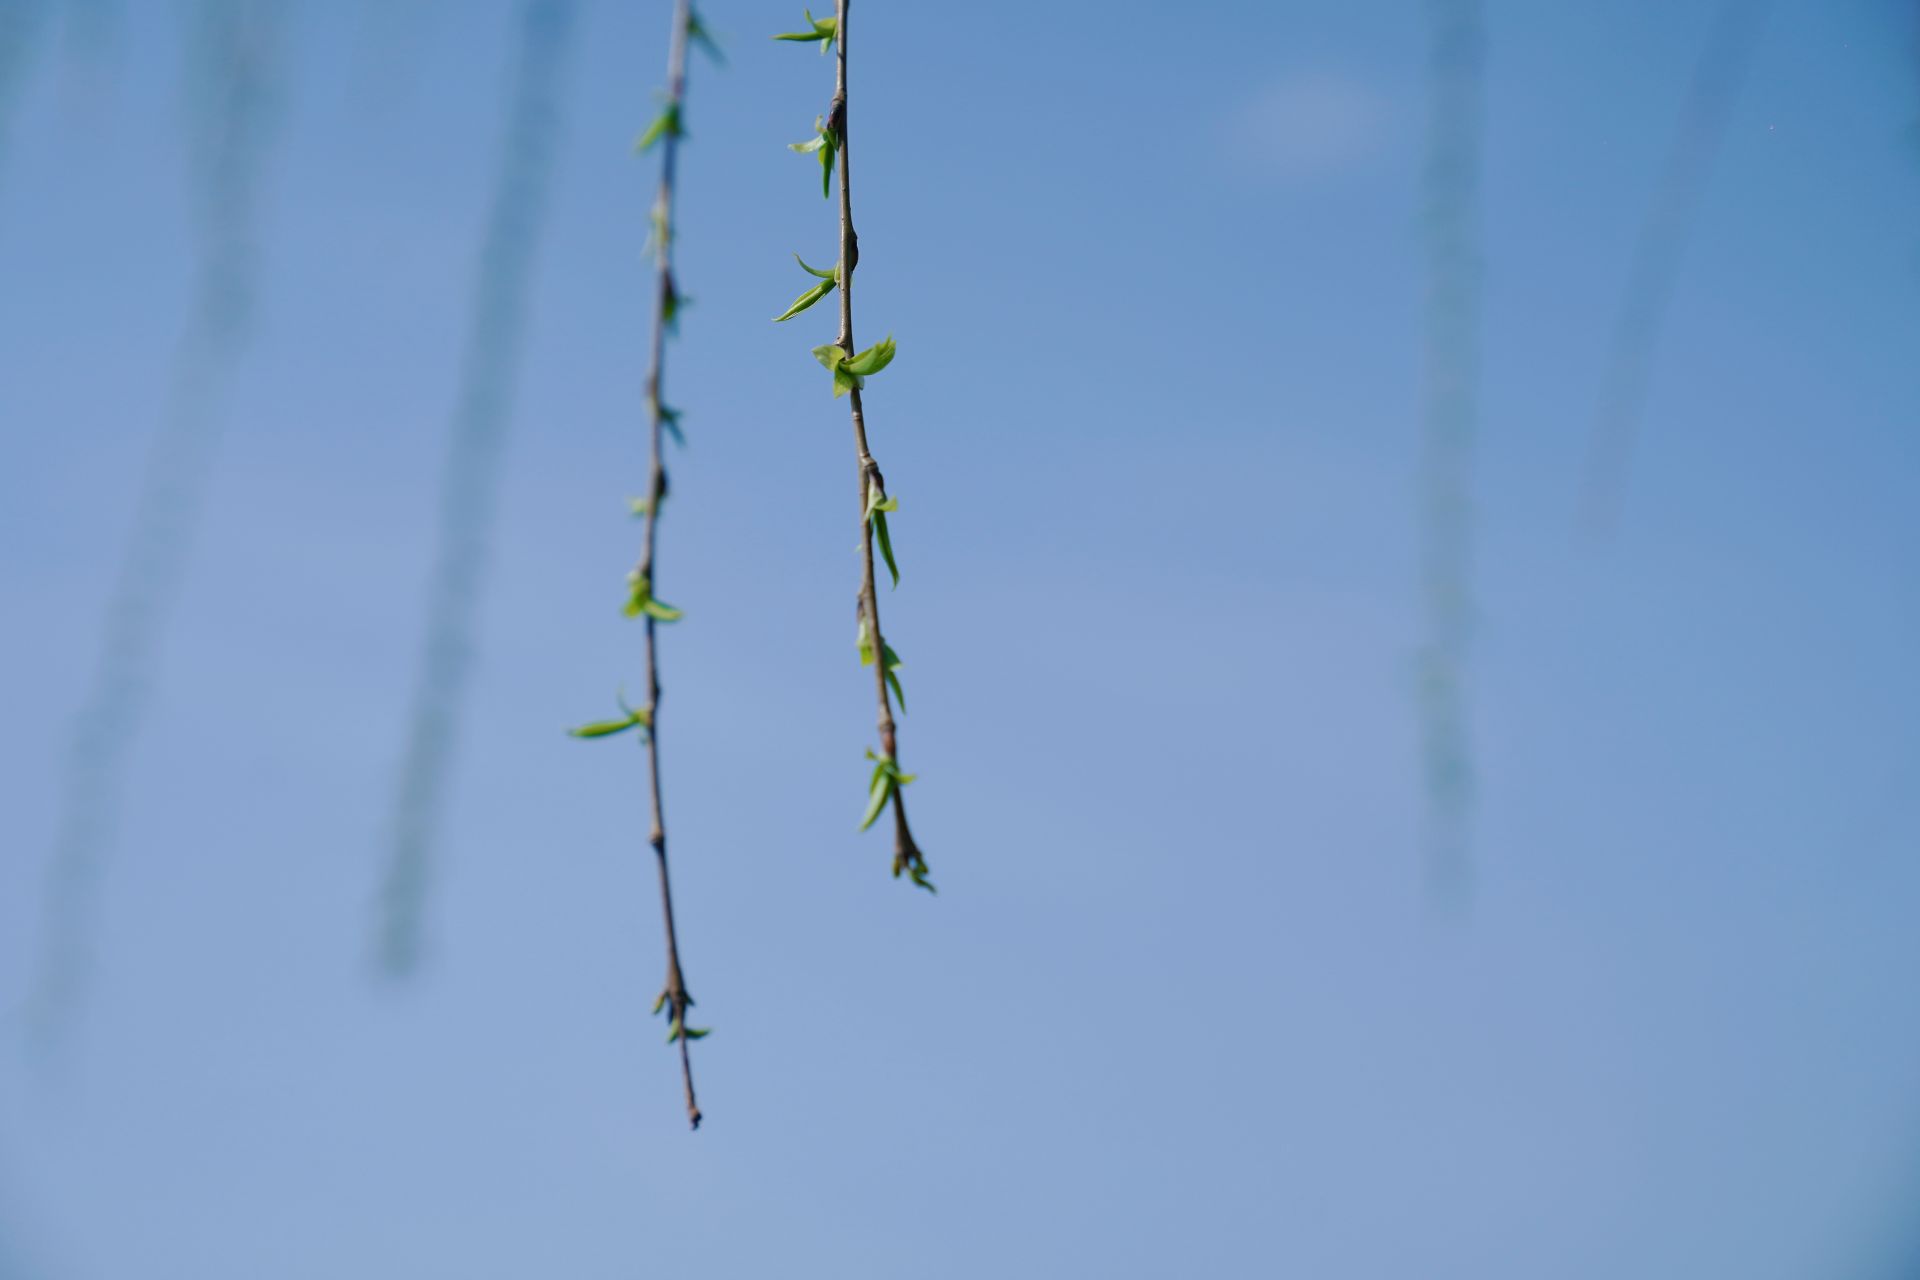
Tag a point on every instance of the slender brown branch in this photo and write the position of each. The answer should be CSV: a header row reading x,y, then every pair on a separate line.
x,y
674,994
906,855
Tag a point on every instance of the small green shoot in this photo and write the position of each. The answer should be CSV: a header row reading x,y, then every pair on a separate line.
x,y
878,504
850,373
823,29
640,601
667,124
697,34
671,303
887,779
825,143
864,641
659,229
634,718
828,279
669,421
640,508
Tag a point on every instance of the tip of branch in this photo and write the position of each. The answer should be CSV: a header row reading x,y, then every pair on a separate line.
x,y
908,858
694,1117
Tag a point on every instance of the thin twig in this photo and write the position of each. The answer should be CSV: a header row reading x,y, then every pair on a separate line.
x,y
22,23
236,50
1452,233
1657,253
906,855
675,992
472,475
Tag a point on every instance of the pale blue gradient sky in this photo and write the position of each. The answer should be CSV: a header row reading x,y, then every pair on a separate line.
x,y
1182,1007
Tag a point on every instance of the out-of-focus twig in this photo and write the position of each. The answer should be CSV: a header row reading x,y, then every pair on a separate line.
x,y
233,78
1451,224
1657,254
470,482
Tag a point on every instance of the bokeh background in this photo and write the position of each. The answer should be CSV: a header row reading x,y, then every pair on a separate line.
x,y
1190,1000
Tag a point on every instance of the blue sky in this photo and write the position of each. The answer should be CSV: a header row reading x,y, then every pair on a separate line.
x,y
1183,1005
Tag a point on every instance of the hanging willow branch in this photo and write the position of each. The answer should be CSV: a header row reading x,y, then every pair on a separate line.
x,y
470,483
1452,234
1657,255
666,131
850,370
22,23
234,85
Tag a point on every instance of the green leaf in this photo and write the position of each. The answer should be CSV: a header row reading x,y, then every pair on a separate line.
x,y
824,30
877,797
873,359
893,680
640,601
824,144
673,1030
697,33
879,501
834,358
812,295
815,271
885,540
639,716
696,1033
805,300
666,125
887,779
659,228
670,422
607,728
603,728
849,372
659,1002
864,641
672,302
